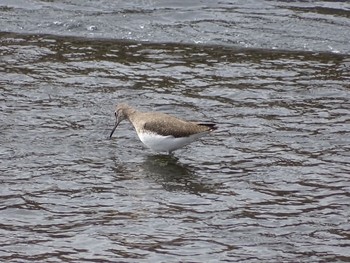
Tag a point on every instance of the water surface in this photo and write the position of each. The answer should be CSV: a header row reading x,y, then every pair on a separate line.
x,y
271,185
270,24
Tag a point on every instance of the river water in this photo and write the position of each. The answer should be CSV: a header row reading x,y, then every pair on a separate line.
x,y
271,185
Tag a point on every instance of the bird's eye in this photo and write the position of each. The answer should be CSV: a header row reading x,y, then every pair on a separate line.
x,y
115,113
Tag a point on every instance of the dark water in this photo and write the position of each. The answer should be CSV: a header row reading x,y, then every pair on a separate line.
x,y
272,185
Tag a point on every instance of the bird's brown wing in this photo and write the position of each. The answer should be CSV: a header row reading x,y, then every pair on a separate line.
x,y
176,127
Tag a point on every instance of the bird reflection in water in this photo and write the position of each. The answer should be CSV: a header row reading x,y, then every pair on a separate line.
x,y
174,176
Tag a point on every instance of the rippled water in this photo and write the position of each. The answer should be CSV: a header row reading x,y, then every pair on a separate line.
x,y
271,185
270,24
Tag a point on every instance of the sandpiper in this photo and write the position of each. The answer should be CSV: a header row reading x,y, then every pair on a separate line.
x,y
159,131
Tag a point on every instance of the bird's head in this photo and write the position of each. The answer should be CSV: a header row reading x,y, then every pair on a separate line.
x,y
121,113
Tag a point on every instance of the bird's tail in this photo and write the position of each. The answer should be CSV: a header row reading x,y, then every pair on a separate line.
x,y
211,126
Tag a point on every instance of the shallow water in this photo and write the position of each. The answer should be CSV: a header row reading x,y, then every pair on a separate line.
x,y
271,185
270,24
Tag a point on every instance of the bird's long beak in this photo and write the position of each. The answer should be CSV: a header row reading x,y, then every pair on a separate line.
x,y
117,121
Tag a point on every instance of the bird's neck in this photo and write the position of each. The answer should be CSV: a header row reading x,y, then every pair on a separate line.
x,y
131,113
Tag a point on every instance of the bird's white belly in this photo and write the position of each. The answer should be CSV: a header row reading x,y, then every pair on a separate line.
x,y
168,143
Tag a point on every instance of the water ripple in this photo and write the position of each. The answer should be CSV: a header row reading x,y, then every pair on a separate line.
x,y
270,185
